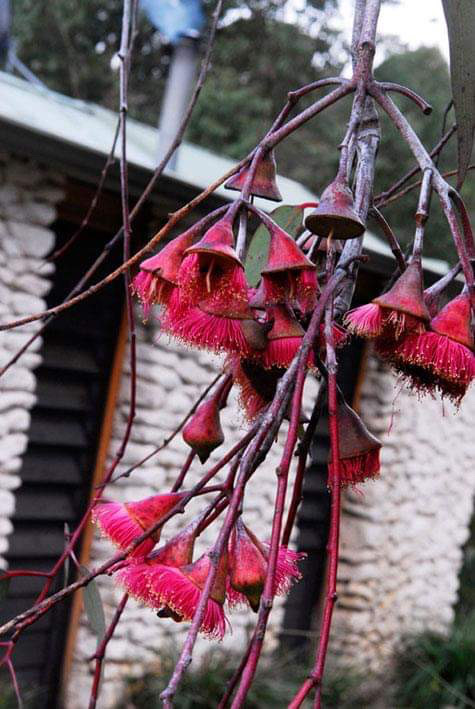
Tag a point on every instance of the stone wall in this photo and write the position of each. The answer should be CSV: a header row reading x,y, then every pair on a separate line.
x,y
170,379
28,194
402,535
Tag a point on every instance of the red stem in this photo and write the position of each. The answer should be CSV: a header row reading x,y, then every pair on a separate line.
x,y
315,678
303,450
182,474
391,237
269,586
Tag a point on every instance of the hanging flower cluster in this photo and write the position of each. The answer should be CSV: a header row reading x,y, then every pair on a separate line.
x,y
431,354
199,282
168,579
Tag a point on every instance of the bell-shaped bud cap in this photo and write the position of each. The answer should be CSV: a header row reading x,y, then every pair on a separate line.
x,y
284,338
166,263
203,432
150,510
198,571
217,241
255,334
406,295
264,183
179,550
247,565
284,253
336,214
248,562
359,449
455,321
284,324
355,439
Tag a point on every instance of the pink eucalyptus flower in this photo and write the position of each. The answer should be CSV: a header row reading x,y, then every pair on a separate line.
x,y
248,561
124,522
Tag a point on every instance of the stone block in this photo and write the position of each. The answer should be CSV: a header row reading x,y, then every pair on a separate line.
x,y
33,284
29,239
26,304
9,482
18,378
16,398
12,445
12,465
7,503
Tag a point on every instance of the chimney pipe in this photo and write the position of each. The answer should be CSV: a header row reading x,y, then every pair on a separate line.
x,y
178,89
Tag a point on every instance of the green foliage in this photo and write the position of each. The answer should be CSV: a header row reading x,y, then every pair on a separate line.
x,y
70,44
202,687
437,672
93,607
290,218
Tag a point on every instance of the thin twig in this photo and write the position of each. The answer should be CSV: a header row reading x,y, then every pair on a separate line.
x,y
382,199
391,238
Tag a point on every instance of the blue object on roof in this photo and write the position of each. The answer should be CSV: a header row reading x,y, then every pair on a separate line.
x,y
175,18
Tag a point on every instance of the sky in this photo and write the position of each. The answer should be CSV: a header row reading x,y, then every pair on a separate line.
x,y
416,22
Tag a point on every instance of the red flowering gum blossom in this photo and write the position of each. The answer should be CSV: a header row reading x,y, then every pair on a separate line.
x,y
212,270
230,329
402,309
365,321
359,449
335,215
284,338
175,591
124,522
177,552
158,275
248,562
203,432
264,183
289,275
443,357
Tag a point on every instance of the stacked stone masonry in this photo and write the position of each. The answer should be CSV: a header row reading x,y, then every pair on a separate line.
x,y
28,195
402,535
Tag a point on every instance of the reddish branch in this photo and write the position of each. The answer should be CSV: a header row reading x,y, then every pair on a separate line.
x,y
316,676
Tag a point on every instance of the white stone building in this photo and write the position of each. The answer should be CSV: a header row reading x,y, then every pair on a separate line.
x,y
64,404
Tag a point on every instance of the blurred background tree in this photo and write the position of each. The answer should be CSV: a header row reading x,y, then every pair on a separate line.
x,y
263,49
